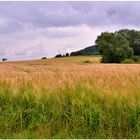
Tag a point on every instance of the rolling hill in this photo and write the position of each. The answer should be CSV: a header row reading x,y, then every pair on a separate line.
x,y
91,50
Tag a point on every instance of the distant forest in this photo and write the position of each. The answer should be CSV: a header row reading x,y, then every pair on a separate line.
x,y
91,50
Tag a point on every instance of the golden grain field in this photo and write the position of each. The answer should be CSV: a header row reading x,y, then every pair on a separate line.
x,y
53,73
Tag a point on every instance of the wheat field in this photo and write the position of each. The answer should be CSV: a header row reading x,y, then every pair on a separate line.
x,y
69,97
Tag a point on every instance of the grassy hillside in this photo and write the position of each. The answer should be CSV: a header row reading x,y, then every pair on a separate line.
x,y
70,97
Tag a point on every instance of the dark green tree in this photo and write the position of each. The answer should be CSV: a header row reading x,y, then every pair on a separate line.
x,y
133,37
67,54
4,59
113,47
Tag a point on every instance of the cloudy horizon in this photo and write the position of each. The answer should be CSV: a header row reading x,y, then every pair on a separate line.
x,y
31,30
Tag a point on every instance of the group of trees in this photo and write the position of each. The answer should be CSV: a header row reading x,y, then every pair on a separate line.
x,y
118,46
60,55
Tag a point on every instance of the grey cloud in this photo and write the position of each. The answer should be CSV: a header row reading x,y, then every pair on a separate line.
x,y
54,14
21,53
124,13
2,51
37,52
58,33
31,52
11,27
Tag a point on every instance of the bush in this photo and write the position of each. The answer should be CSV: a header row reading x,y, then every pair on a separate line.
x,y
44,58
4,59
128,61
87,61
58,56
136,58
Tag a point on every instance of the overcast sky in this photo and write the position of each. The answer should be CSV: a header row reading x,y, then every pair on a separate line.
x,y
30,30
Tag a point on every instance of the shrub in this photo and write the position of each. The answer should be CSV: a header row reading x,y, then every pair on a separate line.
x,y
44,58
87,61
128,61
136,58
4,59
58,56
